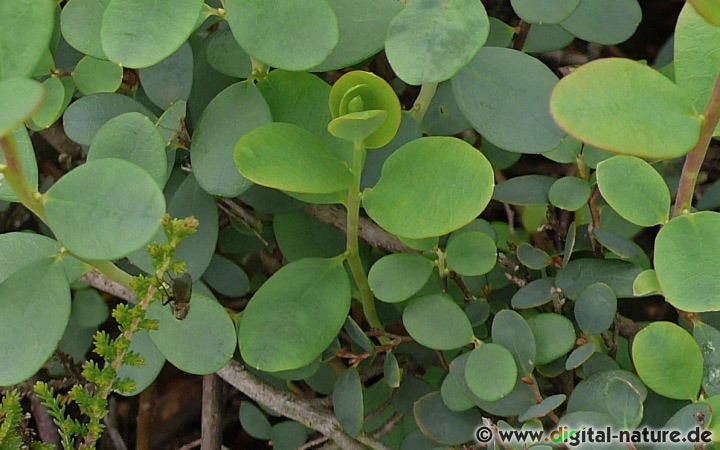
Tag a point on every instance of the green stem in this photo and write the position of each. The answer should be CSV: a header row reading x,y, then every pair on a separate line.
x,y
112,272
15,177
422,102
696,156
352,251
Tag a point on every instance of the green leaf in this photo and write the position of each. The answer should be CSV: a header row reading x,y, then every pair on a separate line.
x,y
132,35
144,375
190,344
634,189
253,421
549,12
80,22
348,401
91,226
272,342
430,187
708,10
488,91
532,257
581,273
580,355
363,28
668,360
34,312
288,435
392,373
22,97
512,331
708,339
437,322
373,93
356,127
301,236
595,308
226,277
543,408
25,32
616,394
604,21
397,277
685,252
132,137
569,193
429,41
443,117
534,294
442,425
89,310
623,247
490,372
289,158
214,141
287,34
92,75
455,397
84,117
59,94
554,336
524,190
471,253
226,56
697,58
646,283
27,160
169,80
658,120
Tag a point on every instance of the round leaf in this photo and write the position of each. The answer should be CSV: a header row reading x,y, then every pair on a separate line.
x,y
635,190
487,90
289,158
201,343
272,342
668,360
133,137
580,355
490,372
348,401
658,120
34,312
253,421
554,336
287,34
356,127
59,94
363,28
437,322
397,277
430,187
604,21
92,75
25,32
534,294
646,283
532,257
21,97
226,56
105,209
595,308
471,253
440,424
214,141
685,253
80,22
552,11
512,331
569,193
132,35
373,93
429,41
170,79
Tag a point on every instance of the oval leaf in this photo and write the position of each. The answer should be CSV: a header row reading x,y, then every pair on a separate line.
x,y
348,401
471,253
554,336
22,97
430,54
569,193
286,157
272,342
441,425
595,308
437,322
547,12
490,372
512,331
82,218
604,21
429,187
25,32
668,360
397,277
658,120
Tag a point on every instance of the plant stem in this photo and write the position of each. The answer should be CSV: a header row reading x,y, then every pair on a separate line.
x,y
696,156
422,102
112,272
352,250
16,177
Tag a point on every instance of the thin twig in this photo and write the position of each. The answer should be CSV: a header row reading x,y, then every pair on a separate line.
x,y
314,443
211,423
387,426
